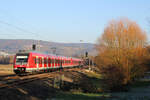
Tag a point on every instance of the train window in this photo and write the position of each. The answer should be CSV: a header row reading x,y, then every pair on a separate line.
x,y
49,61
52,61
55,61
58,61
21,59
42,60
34,59
39,60
45,61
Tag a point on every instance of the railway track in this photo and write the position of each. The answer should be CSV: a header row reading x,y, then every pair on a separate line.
x,y
14,80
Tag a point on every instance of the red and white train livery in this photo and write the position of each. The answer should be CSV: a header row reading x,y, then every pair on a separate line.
x,y
34,61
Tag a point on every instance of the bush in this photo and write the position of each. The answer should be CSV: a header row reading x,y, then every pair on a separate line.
x,y
113,78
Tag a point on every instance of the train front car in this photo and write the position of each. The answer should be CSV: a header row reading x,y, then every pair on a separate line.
x,y
21,62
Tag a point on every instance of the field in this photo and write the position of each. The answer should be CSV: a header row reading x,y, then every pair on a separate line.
x,y
6,69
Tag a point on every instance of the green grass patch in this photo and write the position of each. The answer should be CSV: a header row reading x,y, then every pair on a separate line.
x,y
93,74
143,83
95,79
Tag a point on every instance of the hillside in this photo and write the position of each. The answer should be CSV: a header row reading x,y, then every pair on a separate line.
x,y
67,49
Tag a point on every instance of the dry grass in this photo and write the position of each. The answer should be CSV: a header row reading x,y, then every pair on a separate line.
x,y
6,69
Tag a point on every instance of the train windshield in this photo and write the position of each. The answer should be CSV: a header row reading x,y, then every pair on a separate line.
x,y
21,59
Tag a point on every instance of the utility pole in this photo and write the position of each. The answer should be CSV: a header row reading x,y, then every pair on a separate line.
x,y
39,44
53,50
81,41
89,64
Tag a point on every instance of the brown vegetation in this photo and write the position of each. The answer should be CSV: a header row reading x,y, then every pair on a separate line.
x,y
122,53
6,69
6,59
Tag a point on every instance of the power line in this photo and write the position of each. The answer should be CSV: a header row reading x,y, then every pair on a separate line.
x,y
18,28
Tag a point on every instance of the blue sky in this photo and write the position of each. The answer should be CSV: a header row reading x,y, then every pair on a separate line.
x,y
67,20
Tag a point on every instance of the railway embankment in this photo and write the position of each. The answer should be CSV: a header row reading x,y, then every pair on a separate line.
x,y
68,84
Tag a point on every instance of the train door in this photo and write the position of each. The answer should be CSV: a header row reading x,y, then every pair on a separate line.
x,y
45,64
34,62
49,63
37,63
53,62
58,62
71,62
40,62
62,62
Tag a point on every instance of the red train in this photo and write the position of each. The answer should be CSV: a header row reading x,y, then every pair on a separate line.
x,y
30,61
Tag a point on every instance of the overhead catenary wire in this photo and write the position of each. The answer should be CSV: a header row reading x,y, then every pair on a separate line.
x,y
18,28
27,32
